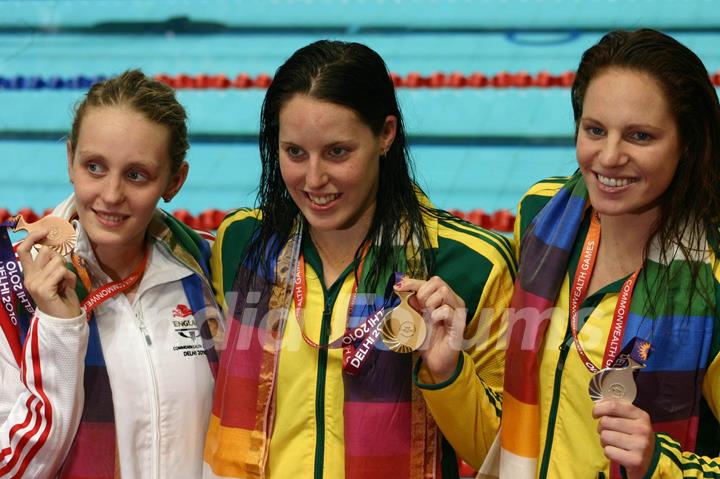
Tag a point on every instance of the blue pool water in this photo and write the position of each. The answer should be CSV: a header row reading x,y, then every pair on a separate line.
x,y
473,148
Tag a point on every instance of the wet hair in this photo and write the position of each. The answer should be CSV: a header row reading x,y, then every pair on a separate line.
x,y
693,192
356,77
155,100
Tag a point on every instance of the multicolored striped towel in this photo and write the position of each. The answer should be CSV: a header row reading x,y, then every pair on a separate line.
x,y
388,430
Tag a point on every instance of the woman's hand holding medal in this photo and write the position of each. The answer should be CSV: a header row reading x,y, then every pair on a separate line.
x,y
445,314
626,435
49,282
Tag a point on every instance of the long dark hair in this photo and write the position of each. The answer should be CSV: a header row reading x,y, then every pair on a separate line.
x,y
694,192
356,77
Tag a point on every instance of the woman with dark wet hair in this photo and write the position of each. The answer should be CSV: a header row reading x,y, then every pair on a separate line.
x,y
307,388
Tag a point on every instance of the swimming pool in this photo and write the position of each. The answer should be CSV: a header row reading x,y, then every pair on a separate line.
x,y
473,147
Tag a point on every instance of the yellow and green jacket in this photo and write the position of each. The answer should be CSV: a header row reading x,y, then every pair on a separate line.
x,y
284,409
679,388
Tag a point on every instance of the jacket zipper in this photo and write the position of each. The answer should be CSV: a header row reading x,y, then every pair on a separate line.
x,y
154,399
143,330
564,349
320,391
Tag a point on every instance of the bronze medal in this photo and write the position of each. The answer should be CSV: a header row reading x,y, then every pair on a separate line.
x,y
403,329
61,234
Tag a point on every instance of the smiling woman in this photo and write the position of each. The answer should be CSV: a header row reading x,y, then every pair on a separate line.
x,y
113,342
623,254
305,387
628,145
119,168
329,162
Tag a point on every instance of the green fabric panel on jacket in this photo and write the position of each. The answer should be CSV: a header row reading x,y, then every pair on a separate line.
x,y
236,241
454,271
497,242
456,261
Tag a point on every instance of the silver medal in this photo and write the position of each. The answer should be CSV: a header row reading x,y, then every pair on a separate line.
x,y
614,383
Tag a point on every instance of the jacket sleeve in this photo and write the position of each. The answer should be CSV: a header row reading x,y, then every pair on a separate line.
x,y
670,461
467,406
41,400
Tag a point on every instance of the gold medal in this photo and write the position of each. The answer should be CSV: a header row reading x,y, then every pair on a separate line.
x,y
614,383
403,329
61,234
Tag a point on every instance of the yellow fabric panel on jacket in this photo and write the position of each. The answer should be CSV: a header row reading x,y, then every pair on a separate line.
x,y
294,438
575,431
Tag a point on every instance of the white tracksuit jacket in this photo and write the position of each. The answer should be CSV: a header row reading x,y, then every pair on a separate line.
x,y
160,379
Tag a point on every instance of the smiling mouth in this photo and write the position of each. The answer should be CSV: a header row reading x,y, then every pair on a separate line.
x,y
614,182
322,200
110,218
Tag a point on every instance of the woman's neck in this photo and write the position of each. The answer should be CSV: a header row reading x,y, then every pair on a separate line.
x,y
337,249
622,247
119,263
628,234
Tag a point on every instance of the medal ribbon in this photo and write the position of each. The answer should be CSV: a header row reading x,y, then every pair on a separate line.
x,y
12,287
95,298
366,333
579,289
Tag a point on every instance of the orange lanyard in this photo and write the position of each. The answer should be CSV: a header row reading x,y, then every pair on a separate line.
x,y
357,343
300,292
105,292
579,289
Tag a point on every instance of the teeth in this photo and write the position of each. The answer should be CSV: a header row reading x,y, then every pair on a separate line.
x,y
112,218
323,200
615,182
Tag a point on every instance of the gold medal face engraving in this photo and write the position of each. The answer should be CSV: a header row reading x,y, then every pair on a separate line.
x,y
403,329
61,234
613,383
